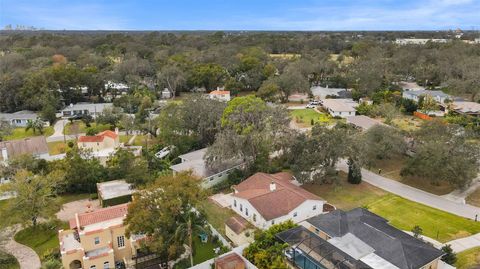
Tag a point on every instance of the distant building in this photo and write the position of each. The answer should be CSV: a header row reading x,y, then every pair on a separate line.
x,y
363,122
419,41
19,118
33,146
194,162
356,239
117,86
410,86
438,96
220,95
97,240
166,94
114,192
268,199
340,107
325,92
102,146
80,109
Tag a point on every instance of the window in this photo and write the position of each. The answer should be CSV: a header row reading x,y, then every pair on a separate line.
x,y
314,207
106,265
246,211
121,241
234,203
273,222
97,240
211,179
241,207
317,230
295,214
254,217
18,121
220,175
93,267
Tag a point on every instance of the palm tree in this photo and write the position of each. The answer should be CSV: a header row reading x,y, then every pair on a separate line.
x,y
190,222
35,125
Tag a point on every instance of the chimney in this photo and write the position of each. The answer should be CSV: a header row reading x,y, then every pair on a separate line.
x,y
273,186
71,104
4,154
116,130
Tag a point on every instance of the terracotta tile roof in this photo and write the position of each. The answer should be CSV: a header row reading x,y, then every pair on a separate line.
x,y
99,215
237,224
285,197
219,92
230,261
99,137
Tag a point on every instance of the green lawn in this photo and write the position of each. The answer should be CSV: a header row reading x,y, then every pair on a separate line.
x,y
43,238
216,215
402,213
201,252
79,127
468,259
8,261
19,133
140,140
304,117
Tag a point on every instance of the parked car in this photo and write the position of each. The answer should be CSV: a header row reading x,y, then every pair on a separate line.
x,y
310,106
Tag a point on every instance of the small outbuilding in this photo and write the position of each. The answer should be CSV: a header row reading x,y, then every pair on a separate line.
x,y
114,192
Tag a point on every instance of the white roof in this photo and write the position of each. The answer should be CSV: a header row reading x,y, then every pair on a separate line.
x,y
194,155
98,107
322,92
375,261
69,242
343,105
115,188
352,245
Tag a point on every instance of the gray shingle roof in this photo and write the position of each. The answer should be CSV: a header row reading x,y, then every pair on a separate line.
x,y
393,245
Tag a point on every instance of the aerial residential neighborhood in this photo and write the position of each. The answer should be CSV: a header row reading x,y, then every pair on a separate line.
x,y
239,134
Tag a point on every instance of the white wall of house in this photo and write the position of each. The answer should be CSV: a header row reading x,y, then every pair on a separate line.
x,y
221,97
341,114
215,179
307,209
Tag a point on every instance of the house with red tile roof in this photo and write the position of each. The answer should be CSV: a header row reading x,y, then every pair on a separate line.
x,y
220,95
97,239
266,199
104,140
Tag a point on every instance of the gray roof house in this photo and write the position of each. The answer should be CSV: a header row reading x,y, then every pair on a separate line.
x,y
363,122
361,239
35,146
194,162
79,109
19,118
438,96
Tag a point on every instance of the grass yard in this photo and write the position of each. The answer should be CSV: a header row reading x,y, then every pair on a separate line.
x,y
20,132
468,259
140,140
55,148
304,117
8,261
201,252
216,215
78,127
43,238
407,123
402,213
391,169
474,198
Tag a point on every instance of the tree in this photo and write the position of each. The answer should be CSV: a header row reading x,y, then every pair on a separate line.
x,y
381,142
409,106
428,104
48,113
5,129
172,77
163,204
110,115
209,76
35,125
449,257
34,196
443,152
266,252
269,91
251,131
314,157
292,81
354,172
417,231
123,164
190,222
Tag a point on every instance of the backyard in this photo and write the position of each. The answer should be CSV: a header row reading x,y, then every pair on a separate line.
x,y
57,147
304,117
21,132
402,213
79,127
201,252
216,215
468,259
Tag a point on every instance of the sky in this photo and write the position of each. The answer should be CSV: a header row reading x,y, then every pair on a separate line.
x,y
304,15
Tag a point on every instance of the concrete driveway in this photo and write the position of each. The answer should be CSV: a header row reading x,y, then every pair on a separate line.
x,y
81,206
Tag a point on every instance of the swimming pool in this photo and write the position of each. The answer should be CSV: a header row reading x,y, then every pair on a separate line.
x,y
302,260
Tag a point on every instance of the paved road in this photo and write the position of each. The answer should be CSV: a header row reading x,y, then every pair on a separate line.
x,y
27,258
58,132
419,196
